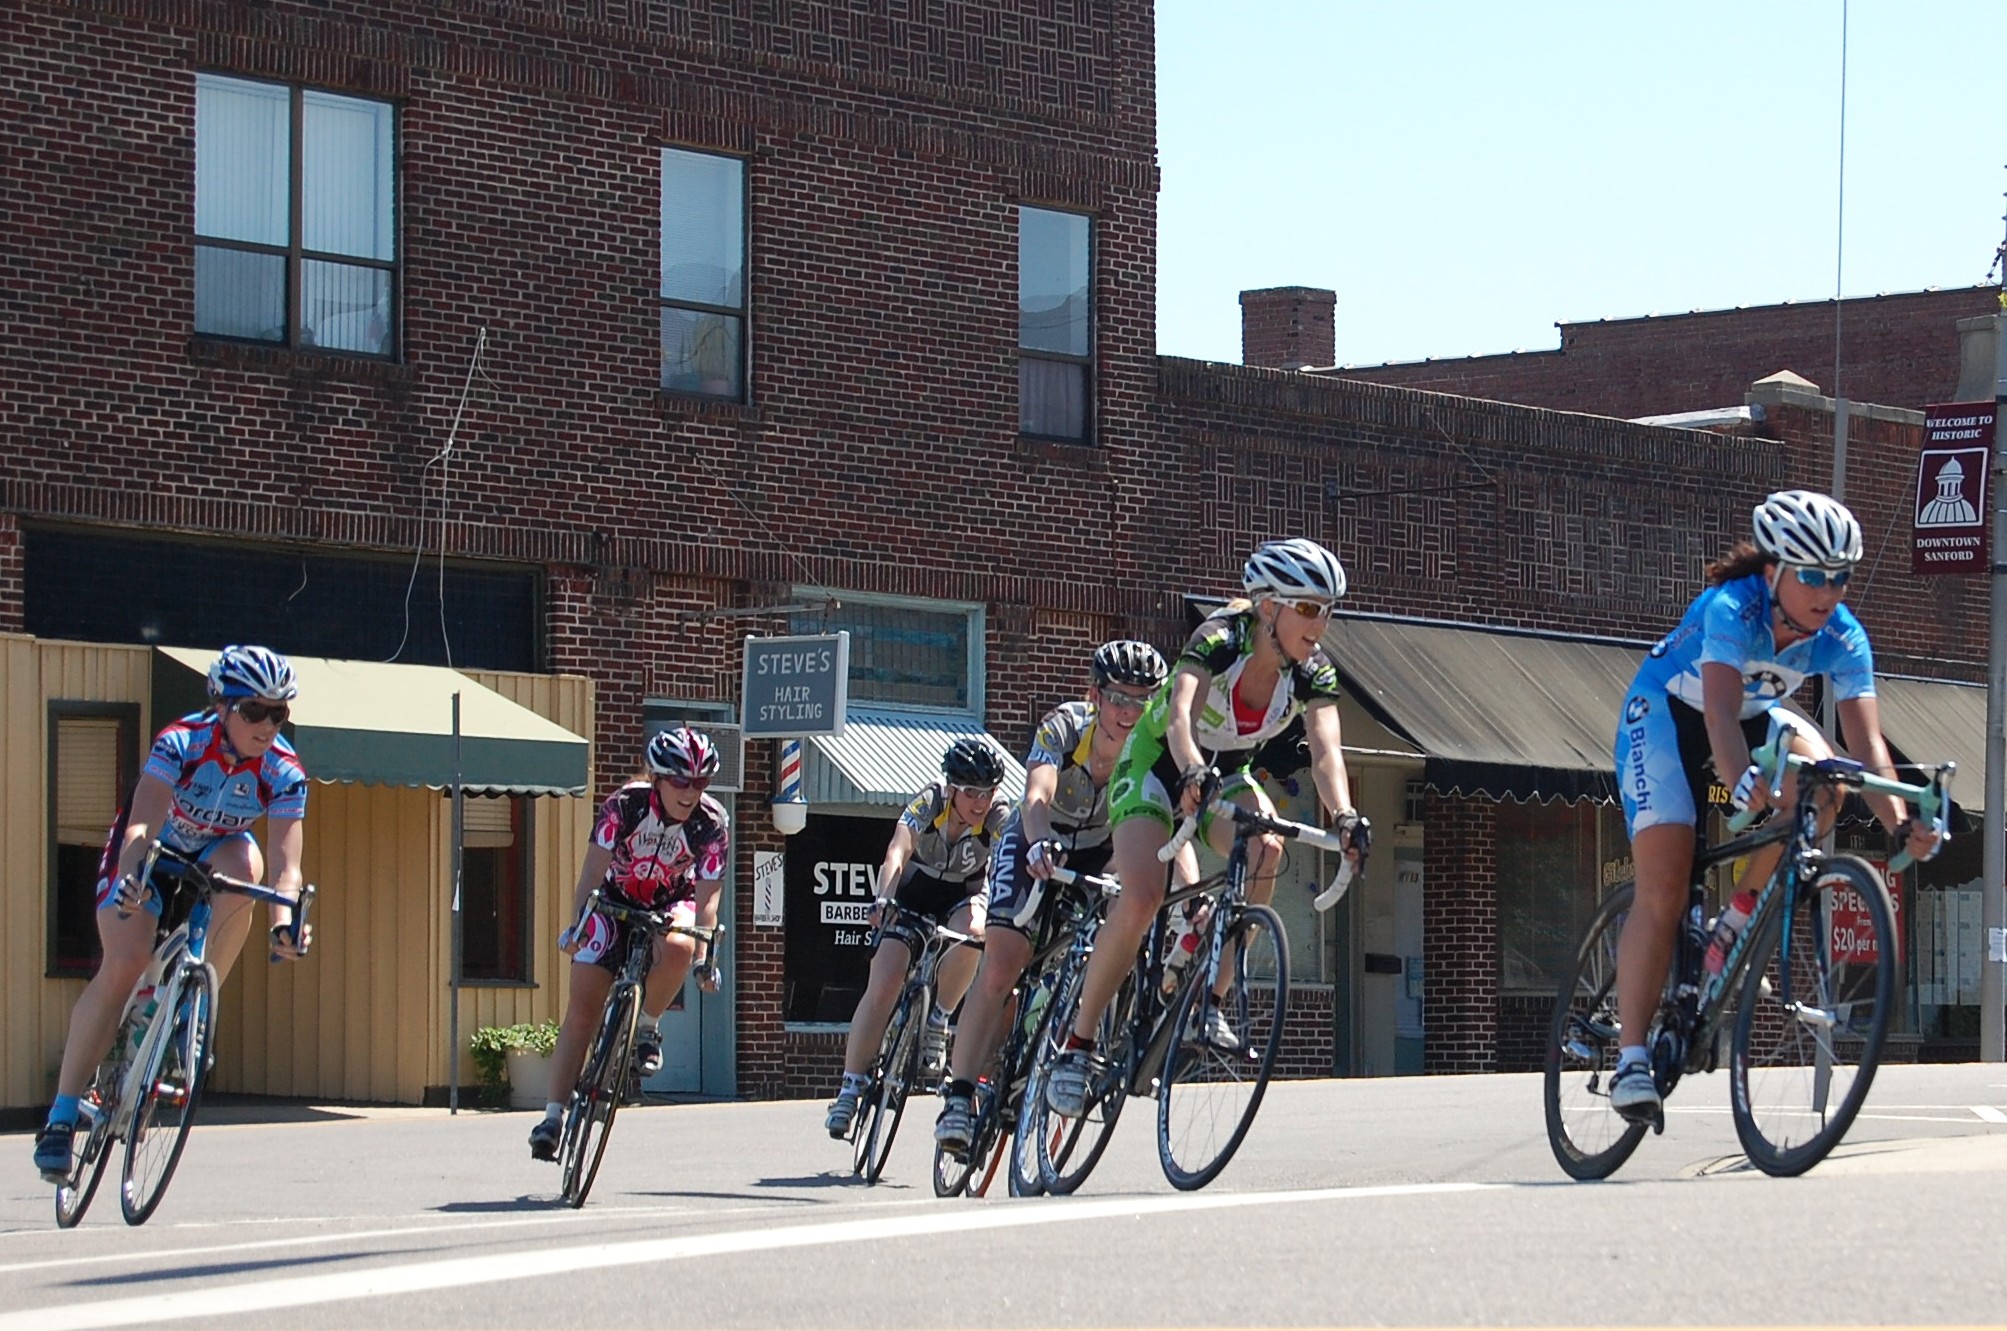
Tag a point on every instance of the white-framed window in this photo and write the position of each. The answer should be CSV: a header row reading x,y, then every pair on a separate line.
x,y
703,299
295,216
907,654
1055,324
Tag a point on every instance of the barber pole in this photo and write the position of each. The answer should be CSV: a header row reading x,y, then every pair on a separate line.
x,y
790,810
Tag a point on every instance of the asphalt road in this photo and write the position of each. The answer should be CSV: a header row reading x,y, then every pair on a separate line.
x,y
1421,1201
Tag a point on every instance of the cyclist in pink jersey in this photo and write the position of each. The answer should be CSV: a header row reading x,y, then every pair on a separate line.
x,y
660,844
208,778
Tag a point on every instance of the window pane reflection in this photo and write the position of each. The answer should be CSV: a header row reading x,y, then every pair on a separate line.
x,y
240,294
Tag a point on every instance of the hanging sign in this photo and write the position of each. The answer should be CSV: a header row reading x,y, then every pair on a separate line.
x,y
1953,513
795,686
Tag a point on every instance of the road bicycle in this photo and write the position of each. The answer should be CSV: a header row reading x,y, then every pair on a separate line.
x,y
607,1078
1204,1043
1000,1090
1804,996
145,1091
895,1074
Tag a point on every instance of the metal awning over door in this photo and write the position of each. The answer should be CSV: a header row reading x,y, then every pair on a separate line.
x,y
1515,715
388,724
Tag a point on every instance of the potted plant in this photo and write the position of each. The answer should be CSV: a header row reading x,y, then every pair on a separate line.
x,y
516,1060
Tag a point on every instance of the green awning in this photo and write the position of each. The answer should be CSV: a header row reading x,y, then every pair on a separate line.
x,y
392,725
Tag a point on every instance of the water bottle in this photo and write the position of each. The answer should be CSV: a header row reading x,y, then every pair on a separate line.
x,y
1184,946
1727,929
138,1017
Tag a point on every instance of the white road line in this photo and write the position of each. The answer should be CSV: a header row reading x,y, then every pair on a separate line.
x,y
303,1291
1988,1114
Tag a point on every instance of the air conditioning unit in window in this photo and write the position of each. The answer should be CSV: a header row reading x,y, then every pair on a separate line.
x,y
731,742
658,714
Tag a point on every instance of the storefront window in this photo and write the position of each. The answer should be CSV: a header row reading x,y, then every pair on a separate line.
x,y
1555,862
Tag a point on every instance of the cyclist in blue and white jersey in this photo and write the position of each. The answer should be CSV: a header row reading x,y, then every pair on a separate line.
x,y
936,865
207,779
1061,822
1771,617
1246,673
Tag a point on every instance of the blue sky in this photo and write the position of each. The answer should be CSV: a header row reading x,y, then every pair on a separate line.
x,y
1465,174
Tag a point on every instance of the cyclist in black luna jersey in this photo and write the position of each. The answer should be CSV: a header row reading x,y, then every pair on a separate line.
x,y
1062,821
937,865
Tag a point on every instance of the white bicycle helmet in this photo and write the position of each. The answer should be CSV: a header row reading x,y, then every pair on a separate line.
x,y
1295,569
1808,529
252,672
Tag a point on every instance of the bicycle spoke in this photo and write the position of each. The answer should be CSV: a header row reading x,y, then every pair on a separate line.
x,y
168,1093
1816,1005
1589,1138
1222,1052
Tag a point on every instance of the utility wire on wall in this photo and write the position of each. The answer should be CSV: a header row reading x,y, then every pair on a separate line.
x,y
443,460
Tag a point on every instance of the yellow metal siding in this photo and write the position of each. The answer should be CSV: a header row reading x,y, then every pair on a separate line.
x,y
33,674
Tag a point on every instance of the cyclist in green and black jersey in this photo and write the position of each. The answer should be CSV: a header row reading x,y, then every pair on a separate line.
x,y
1063,821
1245,674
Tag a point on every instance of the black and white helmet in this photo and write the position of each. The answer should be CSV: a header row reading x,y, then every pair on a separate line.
x,y
1293,570
1808,529
682,752
1126,661
252,672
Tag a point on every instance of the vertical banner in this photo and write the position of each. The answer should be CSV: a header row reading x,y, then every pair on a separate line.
x,y
1952,515
769,888
830,878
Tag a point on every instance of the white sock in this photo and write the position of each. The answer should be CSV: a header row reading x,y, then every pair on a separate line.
x,y
1632,1053
553,1110
938,1017
855,1081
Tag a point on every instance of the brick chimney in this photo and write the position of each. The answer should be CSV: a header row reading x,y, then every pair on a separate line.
x,y
1288,328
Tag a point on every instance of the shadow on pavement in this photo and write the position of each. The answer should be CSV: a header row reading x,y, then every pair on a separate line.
x,y
224,1269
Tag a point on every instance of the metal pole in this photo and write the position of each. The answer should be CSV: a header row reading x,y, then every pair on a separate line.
x,y
453,980
1993,900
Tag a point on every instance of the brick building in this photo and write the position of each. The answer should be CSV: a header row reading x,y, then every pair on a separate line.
x,y
659,325
1901,349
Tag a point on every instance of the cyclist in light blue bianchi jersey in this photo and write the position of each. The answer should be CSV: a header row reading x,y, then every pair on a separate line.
x,y
1245,674
1771,617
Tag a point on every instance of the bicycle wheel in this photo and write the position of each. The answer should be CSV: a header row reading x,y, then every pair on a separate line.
x,y
1214,1079
1589,1138
169,1091
1067,1149
1807,1044
897,1071
89,1153
588,1119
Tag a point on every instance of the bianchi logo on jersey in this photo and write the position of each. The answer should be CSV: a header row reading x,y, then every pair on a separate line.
x,y
1635,710
1769,684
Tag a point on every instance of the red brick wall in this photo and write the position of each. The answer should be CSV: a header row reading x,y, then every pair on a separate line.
x,y
1460,942
1899,350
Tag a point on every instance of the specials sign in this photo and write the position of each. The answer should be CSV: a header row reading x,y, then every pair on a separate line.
x,y
1952,514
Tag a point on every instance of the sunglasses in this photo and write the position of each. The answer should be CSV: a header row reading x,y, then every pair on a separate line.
x,y
1310,609
688,782
258,713
1819,577
973,792
1133,702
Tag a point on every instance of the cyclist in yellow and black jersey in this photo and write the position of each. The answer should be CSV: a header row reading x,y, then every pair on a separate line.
x,y
936,865
1063,820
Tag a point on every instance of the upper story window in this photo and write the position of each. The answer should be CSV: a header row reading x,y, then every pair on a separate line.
x,y
1055,326
703,274
295,216
908,654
